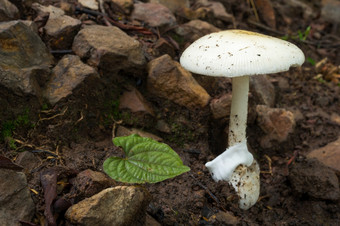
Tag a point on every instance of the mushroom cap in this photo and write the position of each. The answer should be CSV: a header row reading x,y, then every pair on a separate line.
x,y
234,53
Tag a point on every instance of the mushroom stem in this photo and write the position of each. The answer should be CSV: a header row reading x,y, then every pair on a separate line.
x,y
239,110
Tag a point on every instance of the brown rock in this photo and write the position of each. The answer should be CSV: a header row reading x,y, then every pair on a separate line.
x,y
121,205
24,58
162,47
167,79
135,102
15,198
154,14
220,107
123,131
60,31
67,75
8,11
195,29
277,123
173,5
263,90
53,11
328,155
91,4
108,48
330,11
226,218
315,179
89,182
127,5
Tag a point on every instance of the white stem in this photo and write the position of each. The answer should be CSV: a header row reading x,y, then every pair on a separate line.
x,y
239,110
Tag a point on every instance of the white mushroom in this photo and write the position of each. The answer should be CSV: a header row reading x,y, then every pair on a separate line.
x,y
239,54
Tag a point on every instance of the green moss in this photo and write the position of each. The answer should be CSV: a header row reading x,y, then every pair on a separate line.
x,y
8,127
180,134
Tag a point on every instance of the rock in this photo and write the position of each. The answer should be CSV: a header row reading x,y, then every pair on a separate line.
x,y
67,75
219,11
60,31
127,5
54,12
330,11
173,5
15,199
167,79
163,127
315,179
88,183
8,11
121,205
220,107
123,131
328,155
91,4
153,14
162,47
226,218
266,12
150,221
277,123
27,160
195,29
108,48
24,59
263,90
293,8
135,102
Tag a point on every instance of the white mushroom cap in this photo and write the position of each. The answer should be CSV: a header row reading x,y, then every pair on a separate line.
x,y
234,53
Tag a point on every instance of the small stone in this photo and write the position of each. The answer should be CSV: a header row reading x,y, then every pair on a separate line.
x,y
167,79
154,14
109,48
263,90
127,5
195,29
123,131
60,31
329,155
162,47
135,102
150,221
173,5
91,4
277,123
15,198
53,11
89,182
219,11
8,11
66,76
330,11
121,205
220,107
315,179
163,127
24,59
27,160
226,218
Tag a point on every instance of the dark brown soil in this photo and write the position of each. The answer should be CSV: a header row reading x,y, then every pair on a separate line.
x,y
78,134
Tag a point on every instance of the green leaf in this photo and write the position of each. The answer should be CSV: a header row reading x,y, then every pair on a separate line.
x,y
146,161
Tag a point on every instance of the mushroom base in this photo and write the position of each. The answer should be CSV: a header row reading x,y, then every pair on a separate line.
x,y
238,166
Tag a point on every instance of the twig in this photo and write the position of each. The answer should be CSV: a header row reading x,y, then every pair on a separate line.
x,y
251,2
54,116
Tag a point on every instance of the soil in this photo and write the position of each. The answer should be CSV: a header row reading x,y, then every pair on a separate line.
x,y
76,134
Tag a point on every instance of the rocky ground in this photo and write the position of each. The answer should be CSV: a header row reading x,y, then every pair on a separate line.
x,y
75,74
